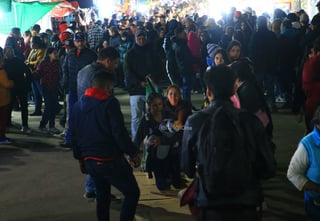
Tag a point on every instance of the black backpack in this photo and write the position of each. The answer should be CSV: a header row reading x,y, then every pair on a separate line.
x,y
224,164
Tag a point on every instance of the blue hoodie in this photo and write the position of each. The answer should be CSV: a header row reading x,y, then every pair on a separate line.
x,y
98,128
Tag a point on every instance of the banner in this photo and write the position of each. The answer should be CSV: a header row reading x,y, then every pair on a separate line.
x,y
5,5
24,15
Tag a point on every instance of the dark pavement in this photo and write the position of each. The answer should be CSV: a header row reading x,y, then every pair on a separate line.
x,y
39,181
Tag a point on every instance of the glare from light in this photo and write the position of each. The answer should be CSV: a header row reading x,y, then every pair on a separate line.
x,y
1,14
143,8
3,38
217,8
105,8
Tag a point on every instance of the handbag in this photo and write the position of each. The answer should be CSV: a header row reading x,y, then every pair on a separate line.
x,y
188,197
162,151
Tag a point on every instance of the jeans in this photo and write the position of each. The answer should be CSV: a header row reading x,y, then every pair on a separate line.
x,y
72,99
312,211
50,109
187,85
38,94
119,174
90,187
137,104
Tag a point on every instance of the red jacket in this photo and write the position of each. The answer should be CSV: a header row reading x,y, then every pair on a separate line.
x,y
49,74
311,83
194,45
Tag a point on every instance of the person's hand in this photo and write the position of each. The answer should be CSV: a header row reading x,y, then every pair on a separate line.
x,y
311,186
156,141
135,161
82,167
153,141
143,84
177,125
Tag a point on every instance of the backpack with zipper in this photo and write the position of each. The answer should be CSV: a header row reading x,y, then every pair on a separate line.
x,y
224,164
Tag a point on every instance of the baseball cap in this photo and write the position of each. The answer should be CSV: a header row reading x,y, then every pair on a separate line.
x,y
79,36
64,36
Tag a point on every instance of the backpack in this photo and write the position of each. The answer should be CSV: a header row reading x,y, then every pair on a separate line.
x,y
224,164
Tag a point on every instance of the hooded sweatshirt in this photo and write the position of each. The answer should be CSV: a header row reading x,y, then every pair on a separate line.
x,y
98,127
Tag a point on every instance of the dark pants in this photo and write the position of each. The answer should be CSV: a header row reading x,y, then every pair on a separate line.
x,y
226,214
23,100
3,119
266,83
187,86
50,109
72,99
286,80
312,210
161,173
120,175
175,172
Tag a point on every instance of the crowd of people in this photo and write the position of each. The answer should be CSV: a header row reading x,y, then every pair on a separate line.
x,y
242,64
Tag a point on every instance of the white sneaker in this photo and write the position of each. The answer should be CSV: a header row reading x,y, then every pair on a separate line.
x,y
26,130
60,135
54,130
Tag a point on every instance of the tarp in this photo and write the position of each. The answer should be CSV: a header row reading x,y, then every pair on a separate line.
x,y
24,15
5,5
64,9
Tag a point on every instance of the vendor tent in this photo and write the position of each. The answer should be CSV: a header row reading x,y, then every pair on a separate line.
x,y
64,9
24,15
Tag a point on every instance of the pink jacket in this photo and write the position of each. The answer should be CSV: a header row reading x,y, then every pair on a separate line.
x,y
194,46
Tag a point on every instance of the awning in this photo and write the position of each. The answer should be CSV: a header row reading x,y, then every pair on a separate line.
x,y
64,9
24,15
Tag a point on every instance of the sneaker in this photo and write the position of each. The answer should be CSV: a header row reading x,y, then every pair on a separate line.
x,y
89,195
5,140
54,130
61,135
26,130
43,130
115,198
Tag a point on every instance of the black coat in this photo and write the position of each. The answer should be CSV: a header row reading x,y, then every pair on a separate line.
x,y
263,51
183,56
252,100
19,72
261,155
139,62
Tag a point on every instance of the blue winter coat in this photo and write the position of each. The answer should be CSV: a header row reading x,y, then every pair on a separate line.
x,y
98,129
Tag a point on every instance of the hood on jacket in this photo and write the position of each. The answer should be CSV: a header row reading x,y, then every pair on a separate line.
x,y
93,97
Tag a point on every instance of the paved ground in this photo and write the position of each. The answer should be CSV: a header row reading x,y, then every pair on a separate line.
x,y
40,181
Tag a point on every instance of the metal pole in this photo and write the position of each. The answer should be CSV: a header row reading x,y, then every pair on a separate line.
x,y
15,13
